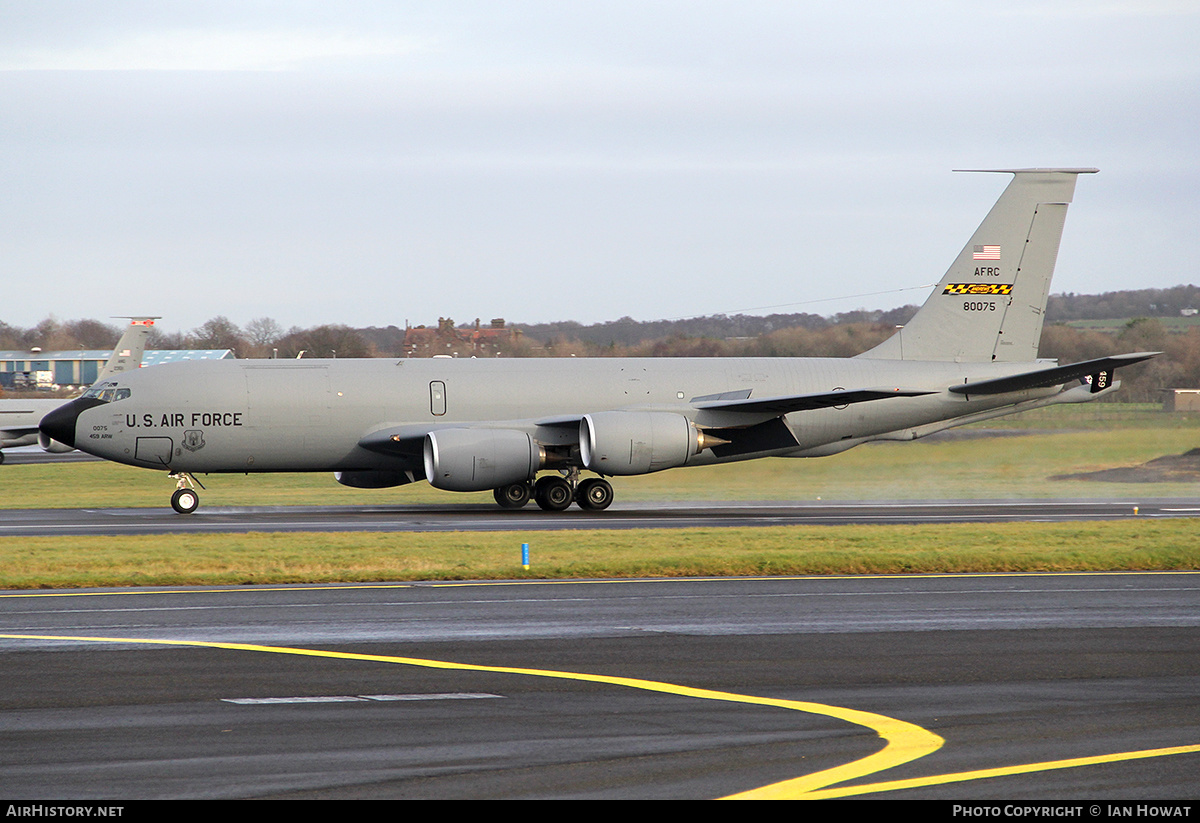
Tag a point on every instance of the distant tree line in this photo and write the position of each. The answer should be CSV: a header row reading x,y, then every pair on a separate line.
x,y
777,335
264,337
1178,367
629,332
1062,308
51,335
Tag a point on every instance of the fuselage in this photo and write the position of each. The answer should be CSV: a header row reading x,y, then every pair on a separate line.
x,y
311,415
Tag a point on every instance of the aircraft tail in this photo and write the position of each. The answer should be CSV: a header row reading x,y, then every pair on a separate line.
x,y
991,304
130,348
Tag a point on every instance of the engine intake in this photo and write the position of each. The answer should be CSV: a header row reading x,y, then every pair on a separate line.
x,y
471,460
627,442
53,445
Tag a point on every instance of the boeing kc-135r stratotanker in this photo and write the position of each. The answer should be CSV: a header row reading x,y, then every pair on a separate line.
x,y
969,354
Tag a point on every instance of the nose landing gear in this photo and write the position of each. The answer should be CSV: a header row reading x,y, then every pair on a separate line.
x,y
185,500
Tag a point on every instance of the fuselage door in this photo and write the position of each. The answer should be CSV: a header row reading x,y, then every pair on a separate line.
x,y
154,450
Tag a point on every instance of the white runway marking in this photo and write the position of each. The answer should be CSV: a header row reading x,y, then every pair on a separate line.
x,y
359,698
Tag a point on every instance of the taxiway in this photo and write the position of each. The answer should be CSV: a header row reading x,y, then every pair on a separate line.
x,y
1079,686
486,517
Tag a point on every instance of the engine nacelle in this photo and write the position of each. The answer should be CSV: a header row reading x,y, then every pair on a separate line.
x,y
373,479
629,442
473,460
53,445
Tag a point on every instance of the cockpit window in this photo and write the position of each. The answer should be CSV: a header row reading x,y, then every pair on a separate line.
x,y
106,393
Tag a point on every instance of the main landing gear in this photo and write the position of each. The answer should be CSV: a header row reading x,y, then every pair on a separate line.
x,y
556,493
185,500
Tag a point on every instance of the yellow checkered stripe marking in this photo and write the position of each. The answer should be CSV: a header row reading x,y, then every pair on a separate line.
x,y
979,288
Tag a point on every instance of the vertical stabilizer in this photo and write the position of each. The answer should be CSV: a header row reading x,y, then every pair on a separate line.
x,y
130,348
991,303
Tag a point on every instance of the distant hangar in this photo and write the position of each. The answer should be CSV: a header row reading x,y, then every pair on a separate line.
x,y
47,369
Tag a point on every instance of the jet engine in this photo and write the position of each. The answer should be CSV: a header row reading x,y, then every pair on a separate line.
x,y
628,442
471,460
53,445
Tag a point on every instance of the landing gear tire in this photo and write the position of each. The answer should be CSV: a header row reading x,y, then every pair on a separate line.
x,y
185,501
553,493
513,496
594,494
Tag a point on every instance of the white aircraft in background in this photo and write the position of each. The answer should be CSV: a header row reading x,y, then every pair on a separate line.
x,y
19,417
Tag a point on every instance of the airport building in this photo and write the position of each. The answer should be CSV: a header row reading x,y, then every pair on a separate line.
x,y
1178,400
55,369
447,340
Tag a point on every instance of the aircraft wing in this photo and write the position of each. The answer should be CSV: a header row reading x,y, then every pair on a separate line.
x,y
800,402
20,418
405,441
1058,375
18,431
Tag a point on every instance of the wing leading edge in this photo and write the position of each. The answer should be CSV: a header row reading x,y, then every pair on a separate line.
x,y
804,402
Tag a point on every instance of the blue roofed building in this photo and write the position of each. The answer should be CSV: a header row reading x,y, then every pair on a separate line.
x,y
79,367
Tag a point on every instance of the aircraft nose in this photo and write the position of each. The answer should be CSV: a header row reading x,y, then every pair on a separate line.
x,y
60,424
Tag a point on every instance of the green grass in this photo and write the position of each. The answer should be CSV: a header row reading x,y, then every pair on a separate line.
x,y
1099,415
1134,544
1047,442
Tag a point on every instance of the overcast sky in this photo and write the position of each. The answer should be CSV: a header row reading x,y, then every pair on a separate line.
x,y
372,163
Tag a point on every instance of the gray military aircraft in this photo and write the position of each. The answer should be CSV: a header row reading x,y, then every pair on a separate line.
x,y
19,418
969,354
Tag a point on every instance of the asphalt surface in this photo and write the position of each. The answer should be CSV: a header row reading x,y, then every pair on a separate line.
x,y
1039,687
459,517
331,692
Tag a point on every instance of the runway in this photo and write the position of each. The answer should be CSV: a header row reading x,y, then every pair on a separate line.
x,y
969,687
486,517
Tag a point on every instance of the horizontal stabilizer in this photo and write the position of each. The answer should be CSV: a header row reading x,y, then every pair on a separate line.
x,y
804,402
1054,376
